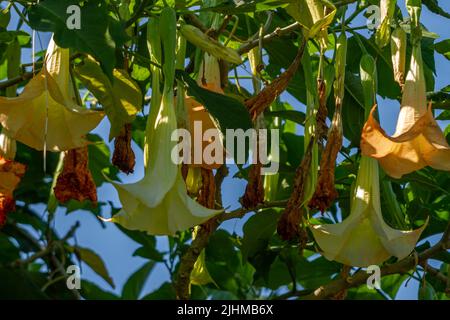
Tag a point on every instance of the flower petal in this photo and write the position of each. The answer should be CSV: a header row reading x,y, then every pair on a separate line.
x,y
176,212
422,145
363,238
46,112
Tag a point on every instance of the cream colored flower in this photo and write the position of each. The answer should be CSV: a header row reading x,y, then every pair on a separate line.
x,y
364,238
159,203
46,114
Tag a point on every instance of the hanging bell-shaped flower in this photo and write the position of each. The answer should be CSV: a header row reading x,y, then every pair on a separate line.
x,y
159,204
418,141
46,114
364,238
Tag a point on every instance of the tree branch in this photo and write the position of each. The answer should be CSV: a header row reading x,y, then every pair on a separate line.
x,y
201,240
16,80
278,32
434,272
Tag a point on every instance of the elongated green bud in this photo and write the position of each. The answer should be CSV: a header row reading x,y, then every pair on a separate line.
x,y
207,44
398,218
182,117
339,68
398,54
168,31
155,51
368,72
384,31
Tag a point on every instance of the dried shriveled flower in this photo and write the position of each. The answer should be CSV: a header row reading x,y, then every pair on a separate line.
x,y
75,181
123,157
257,104
289,223
254,192
207,191
10,174
46,115
325,192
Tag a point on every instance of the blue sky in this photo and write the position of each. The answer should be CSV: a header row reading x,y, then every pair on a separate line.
x,y
116,249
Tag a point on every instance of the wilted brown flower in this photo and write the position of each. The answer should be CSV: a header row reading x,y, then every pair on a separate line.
x,y
325,191
254,192
289,223
75,181
257,104
123,157
207,192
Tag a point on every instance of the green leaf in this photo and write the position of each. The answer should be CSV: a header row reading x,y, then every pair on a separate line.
x,y
148,253
364,293
135,283
94,261
258,230
237,7
443,48
100,34
222,261
426,291
433,6
121,99
18,284
228,112
99,162
292,115
9,251
391,284
5,17
148,242
91,291
165,292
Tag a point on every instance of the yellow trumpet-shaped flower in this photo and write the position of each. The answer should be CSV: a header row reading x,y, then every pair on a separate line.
x,y
159,203
418,141
46,114
364,238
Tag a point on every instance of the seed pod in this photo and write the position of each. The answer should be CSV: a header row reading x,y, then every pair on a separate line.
x,y
201,40
398,54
